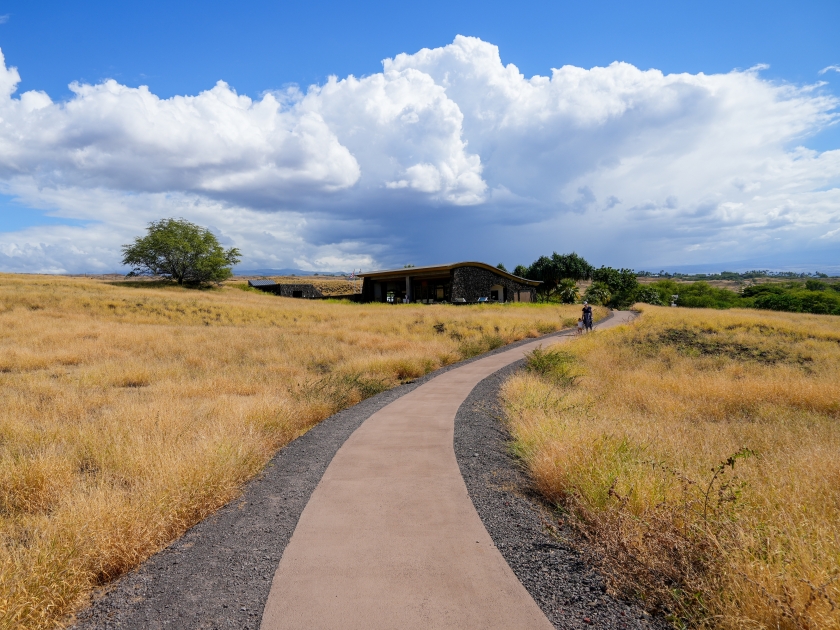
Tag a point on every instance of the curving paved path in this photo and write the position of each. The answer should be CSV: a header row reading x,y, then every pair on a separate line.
x,y
390,537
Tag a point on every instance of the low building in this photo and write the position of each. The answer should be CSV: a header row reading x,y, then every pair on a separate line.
x,y
287,290
456,283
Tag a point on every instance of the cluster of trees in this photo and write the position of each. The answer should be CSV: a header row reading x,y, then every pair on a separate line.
x,y
560,273
619,288
734,275
812,296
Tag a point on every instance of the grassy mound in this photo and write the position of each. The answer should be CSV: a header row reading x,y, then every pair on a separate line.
x,y
130,411
700,451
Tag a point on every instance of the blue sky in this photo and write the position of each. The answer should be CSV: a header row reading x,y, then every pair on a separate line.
x,y
461,198
185,47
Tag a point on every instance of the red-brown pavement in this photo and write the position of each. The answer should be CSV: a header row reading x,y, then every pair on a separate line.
x,y
390,538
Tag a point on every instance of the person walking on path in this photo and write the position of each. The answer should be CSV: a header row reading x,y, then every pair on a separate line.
x,y
587,316
579,331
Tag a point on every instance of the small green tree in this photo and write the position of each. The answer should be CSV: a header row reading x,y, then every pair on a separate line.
x,y
543,270
502,267
550,271
622,284
649,295
598,293
568,291
181,251
572,266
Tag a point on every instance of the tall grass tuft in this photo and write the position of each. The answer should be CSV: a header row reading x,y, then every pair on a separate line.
x,y
554,365
699,451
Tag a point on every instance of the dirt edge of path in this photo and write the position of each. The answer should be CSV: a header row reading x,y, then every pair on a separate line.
x,y
545,556
218,574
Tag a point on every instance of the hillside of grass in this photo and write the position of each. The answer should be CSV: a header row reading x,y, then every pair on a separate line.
x,y
699,452
129,411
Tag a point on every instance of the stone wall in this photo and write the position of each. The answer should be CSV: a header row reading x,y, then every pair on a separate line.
x,y
303,290
471,283
292,290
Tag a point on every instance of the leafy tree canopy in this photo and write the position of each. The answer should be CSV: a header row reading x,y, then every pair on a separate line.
x,y
568,291
551,271
618,280
649,295
521,271
181,251
622,284
572,266
598,293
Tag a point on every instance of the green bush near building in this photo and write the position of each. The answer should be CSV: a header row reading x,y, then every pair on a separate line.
x,y
812,296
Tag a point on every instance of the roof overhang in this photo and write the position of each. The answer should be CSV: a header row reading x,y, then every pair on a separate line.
x,y
430,270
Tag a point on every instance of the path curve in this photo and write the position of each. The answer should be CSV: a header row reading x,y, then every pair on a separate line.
x,y
390,537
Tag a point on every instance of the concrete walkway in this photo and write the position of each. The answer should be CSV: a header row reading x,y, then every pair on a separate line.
x,y
390,538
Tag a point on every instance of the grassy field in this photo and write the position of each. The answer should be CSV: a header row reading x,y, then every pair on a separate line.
x,y
130,411
699,451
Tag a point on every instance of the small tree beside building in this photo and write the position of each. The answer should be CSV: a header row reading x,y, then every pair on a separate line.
x,y
551,271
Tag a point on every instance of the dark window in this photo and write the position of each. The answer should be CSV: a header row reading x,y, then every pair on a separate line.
x,y
297,294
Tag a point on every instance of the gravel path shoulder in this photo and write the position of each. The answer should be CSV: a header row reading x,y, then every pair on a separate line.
x,y
545,556
218,575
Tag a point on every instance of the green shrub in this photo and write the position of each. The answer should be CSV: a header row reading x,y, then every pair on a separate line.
x,y
622,285
819,302
695,295
598,293
795,299
649,295
568,291
554,365
778,302
485,343
763,289
815,285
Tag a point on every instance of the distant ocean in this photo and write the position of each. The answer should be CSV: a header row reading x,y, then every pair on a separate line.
x,y
829,266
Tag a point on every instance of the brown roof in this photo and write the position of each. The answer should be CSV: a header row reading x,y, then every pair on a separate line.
x,y
430,269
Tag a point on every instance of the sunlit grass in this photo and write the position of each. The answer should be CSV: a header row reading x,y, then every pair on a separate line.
x,y
700,450
129,412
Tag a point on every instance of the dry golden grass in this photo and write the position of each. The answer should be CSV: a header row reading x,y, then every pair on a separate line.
x,y
700,450
130,411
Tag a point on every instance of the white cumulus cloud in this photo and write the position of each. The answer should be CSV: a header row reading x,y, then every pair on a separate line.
x,y
405,132
122,138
